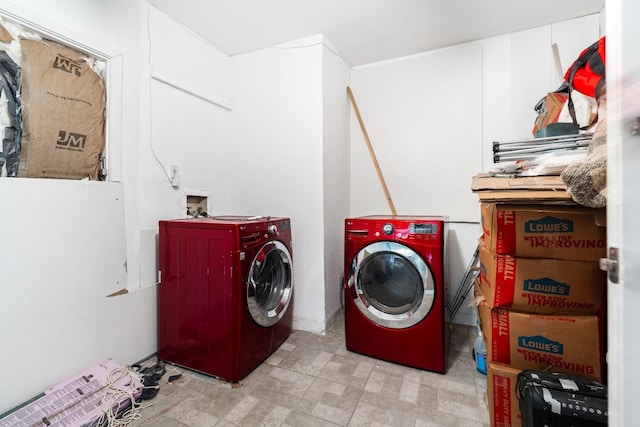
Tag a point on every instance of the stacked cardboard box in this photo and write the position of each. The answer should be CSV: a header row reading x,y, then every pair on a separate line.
x,y
543,295
520,190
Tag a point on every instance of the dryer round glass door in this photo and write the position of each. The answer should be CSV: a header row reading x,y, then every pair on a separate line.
x,y
269,286
391,284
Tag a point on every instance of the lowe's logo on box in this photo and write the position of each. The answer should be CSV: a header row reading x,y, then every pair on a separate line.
x,y
546,285
540,343
548,224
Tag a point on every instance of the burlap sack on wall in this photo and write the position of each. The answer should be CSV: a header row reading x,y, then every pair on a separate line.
x,y
586,181
5,36
63,102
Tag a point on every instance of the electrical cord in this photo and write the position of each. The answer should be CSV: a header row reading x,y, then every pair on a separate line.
x,y
115,400
120,408
153,151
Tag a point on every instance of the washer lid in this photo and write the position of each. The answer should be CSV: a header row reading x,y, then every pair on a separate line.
x,y
269,285
391,284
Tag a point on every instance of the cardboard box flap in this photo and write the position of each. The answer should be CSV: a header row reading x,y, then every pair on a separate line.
x,y
482,182
522,189
556,197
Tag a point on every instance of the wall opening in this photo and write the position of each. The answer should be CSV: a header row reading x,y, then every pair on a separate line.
x,y
196,205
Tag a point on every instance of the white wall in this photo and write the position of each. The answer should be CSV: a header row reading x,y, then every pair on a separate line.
x,y
335,123
63,246
280,150
186,116
277,134
423,114
432,119
518,70
89,240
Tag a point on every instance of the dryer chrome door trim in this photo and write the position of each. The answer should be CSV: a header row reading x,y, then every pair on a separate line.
x,y
269,285
413,268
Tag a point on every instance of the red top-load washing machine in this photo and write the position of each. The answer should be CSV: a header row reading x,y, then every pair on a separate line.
x,y
395,281
225,293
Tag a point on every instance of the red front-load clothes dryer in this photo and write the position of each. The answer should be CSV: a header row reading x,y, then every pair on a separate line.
x,y
225,293
394,286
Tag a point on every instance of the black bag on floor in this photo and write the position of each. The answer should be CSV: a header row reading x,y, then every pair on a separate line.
x,y
548,399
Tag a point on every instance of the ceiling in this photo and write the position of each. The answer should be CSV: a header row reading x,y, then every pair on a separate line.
x,y
366,31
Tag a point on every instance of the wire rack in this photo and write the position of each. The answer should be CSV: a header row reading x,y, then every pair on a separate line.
x,y
527,149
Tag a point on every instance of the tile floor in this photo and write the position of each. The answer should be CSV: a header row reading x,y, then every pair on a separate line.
x,y
312,380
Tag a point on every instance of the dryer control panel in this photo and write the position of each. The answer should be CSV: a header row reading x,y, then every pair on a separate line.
x,y
423,228
410,228
414,228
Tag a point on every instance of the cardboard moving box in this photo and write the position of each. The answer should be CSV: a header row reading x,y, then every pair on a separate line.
x,y
501,393
562,343
549,109
545,231
520,189
530,184
541,285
